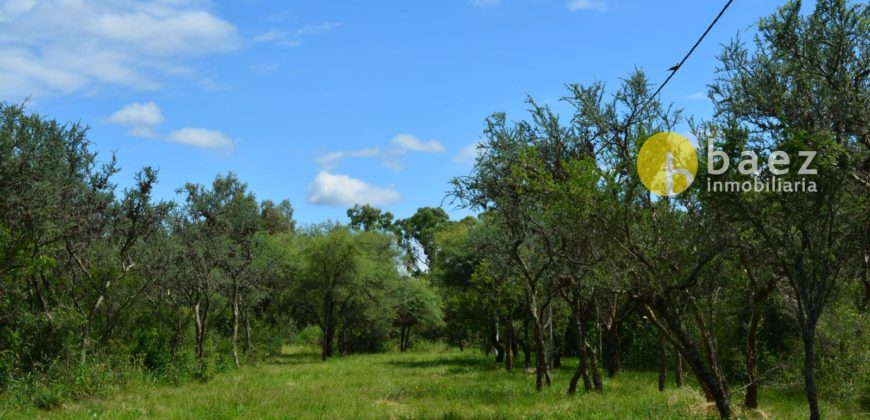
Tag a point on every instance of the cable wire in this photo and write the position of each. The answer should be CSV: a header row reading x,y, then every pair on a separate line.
x,y
686,57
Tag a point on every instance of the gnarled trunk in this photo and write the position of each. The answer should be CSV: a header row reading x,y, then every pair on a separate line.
x,y
663,361
542,372
593,367
712,384
582,364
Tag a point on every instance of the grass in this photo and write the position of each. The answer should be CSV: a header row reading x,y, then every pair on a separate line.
x,y
432,384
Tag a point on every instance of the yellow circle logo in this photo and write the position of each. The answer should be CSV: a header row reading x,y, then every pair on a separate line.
x,y
667,164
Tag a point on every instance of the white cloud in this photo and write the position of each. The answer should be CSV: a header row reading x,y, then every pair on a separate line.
x,y
269,36
593,5
467,154
409,142
280,37
400,145
342,190
201,137
141,118
317,29
697,96
332,159
63,46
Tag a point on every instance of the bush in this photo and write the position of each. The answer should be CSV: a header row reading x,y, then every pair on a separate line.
x,y
307,337
46,399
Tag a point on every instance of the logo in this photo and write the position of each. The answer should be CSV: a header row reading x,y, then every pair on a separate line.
x,y
667,164
754,177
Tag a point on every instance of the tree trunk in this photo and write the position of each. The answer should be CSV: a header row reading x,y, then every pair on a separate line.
x,y
85,343
678,368
509,347
551,340
712,385
527,348
809,332
542,373
582,363
176,338
663,362
37,292
751,400
86,329
499,348
249,345
200,310
235,323
612,349
402,339
328,330
593,366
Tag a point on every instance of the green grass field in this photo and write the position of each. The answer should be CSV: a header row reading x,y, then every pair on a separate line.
x,y
431,384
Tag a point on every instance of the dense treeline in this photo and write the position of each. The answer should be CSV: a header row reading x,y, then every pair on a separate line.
x,y
99,284
570,254
571,238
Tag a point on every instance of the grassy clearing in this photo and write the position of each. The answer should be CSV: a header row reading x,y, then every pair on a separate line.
x,y
432,384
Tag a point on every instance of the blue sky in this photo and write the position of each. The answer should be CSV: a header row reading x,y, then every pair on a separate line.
x,y
327,103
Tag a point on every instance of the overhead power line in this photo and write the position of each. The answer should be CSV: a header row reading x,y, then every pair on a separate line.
x,y
679,65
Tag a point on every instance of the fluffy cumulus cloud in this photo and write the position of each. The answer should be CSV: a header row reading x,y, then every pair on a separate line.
x,y
467,154
400,145
141,118
61,46
593,5
201,137
331,189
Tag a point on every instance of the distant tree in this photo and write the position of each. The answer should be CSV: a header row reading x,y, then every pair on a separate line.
x,y
327,280
368,218
416,305
276,218
418,234
451,267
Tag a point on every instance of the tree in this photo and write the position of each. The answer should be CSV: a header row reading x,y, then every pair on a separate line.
x,y
329,268
368,218
418,234
227,216
103,248
451,266
511,176
416,305
804,88
276,218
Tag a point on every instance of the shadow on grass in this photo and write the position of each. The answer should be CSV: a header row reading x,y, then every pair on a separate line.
x,y
454,364
295,358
